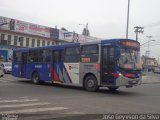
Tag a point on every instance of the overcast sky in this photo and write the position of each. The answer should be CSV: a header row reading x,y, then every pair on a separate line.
x,y
106,18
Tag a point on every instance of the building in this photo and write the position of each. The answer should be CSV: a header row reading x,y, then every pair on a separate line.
x,y
18,34
148,64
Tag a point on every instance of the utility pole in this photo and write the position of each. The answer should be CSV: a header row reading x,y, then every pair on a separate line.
x,y
138,30
127,20
149,39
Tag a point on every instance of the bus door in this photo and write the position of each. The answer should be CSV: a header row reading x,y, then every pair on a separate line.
x,y
23,64
57,64
107,65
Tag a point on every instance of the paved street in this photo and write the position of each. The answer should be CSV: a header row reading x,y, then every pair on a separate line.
x,y
21,97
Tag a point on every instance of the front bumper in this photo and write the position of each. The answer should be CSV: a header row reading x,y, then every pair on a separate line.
x,y
8,70
128,82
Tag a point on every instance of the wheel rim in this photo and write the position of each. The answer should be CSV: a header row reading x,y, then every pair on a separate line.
x,y
91,83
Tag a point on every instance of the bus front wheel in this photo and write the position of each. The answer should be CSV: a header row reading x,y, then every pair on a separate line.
x,y
35,78
90,83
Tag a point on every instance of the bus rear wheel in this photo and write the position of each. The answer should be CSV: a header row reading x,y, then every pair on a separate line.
x,y
35,78
90,83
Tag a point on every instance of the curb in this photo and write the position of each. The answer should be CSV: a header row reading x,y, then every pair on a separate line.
x,y
151,82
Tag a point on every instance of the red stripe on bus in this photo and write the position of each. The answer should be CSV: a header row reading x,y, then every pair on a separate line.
x,y
116,74
129,75
55,76
51,68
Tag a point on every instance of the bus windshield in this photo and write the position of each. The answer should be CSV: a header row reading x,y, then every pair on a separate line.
x,y
130,59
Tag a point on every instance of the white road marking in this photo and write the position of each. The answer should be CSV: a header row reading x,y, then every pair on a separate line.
x,y
74,113
23,100
24,105
33,110
23,97
3,81
9,80
8,84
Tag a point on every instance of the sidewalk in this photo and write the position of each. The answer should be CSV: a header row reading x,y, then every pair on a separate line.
x,y
150,78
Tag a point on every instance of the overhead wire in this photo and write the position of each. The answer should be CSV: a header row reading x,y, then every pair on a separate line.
x,y
150,45
154,24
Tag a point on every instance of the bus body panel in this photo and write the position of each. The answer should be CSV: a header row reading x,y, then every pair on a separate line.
x,y
60,73
89,69
75,73
124,81
66,73
16,69
72,70
43,70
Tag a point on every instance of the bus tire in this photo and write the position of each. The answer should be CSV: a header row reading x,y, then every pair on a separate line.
x,y
113,88
90,83
35,78
53,84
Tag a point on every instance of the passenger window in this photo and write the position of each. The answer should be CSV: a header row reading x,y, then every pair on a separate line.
x,y
24,57
17,56
57,56
33,56
72,54
89,53
45,56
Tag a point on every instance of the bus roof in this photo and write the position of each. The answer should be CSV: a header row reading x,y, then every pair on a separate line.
x,y
48,47
105,41
115,40
54,47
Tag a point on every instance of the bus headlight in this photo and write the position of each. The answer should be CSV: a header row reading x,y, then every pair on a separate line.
x,y
120,74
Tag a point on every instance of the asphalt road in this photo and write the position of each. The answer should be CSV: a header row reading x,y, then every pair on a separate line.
x,y
29,101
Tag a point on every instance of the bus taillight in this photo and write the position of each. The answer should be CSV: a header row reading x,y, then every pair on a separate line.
x,y
97,66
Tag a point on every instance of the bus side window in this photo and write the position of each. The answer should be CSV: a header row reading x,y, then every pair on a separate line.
x,y
48,55
57,56
89,53
17,56
33,56
24,57
45,55
72,54
111,55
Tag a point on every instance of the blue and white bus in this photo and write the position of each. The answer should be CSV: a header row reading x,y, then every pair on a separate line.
x,y
111,63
